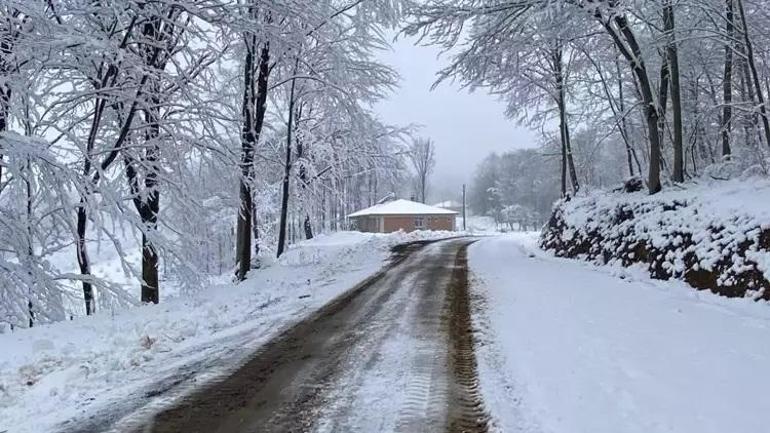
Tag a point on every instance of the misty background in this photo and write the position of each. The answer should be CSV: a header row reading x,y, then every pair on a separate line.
x,y
464,126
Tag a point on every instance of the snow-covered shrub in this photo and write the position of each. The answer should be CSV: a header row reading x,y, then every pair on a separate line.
x,y
714,235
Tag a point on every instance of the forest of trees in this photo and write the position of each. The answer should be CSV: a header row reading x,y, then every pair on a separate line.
x,y
196,131
666,90
518,188
210,131
515,188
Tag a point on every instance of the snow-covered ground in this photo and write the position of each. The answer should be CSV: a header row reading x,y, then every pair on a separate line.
x,y
565,346
734,200
713,234
478,224
73,370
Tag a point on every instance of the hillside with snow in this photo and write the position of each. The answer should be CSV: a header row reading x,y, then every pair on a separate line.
x,y
714,234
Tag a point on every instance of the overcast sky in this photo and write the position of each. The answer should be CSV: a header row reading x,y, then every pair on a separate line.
x,y
465,126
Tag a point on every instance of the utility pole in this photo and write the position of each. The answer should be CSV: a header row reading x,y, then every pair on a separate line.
x,y
463,207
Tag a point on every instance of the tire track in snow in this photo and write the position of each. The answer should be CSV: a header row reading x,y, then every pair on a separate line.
x,y
424,408
466,408
394,387
425,405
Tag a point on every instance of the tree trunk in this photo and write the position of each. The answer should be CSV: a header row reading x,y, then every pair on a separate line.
x,y
255,228
633,54
747,93
676,92
568,161
82,256
8,46
81,249
147,198
308,226
107,80
150,206
423,187
254,108
563,161
727,83
624,128
146,195
303,180
665,78
324,210
754,73
5,102
28,223
248,143
150,284
287,171
630,152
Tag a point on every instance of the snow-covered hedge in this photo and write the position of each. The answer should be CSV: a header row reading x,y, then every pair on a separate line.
x,y
715,235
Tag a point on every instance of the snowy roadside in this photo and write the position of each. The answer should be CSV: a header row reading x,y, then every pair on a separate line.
x,y
566,346
70,371
713,234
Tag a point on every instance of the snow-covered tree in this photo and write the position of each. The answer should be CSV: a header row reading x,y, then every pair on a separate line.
x,y
163,126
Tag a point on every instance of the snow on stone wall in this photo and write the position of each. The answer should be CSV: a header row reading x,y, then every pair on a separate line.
x,y
715,235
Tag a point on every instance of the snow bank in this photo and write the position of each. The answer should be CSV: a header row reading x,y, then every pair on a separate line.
x,y
569,347
115,361
714,235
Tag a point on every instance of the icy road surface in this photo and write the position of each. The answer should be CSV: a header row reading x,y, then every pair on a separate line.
x,y
395,354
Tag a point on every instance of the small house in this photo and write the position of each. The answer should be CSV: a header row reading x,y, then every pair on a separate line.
x,y
404,215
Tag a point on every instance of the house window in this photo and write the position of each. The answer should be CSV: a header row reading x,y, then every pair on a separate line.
x,y
419,222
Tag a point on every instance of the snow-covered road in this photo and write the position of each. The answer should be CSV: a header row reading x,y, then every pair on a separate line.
x,y
566,347
392,355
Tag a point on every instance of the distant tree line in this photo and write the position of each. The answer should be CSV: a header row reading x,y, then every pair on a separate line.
x,y
516,188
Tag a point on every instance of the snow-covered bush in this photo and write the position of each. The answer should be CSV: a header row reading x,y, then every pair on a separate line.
x,y
714,235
